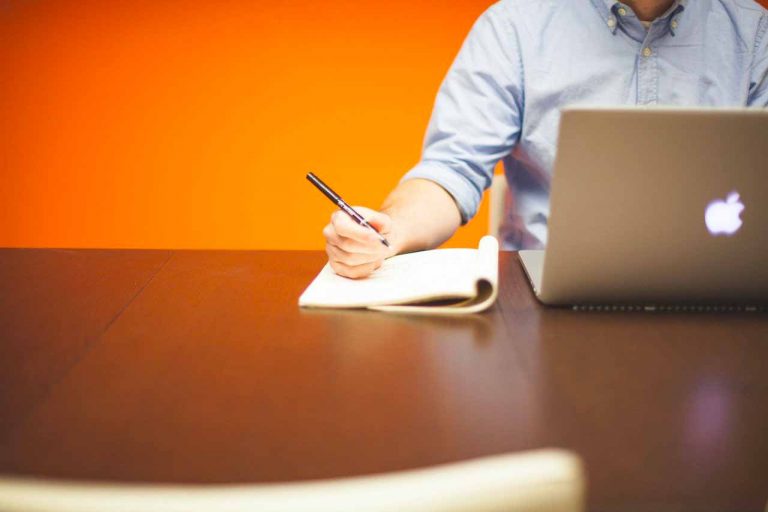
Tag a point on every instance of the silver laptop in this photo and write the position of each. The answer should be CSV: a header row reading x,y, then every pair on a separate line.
x,y
657,208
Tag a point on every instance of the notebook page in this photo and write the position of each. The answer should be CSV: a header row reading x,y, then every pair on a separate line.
x,y
419,276
486,283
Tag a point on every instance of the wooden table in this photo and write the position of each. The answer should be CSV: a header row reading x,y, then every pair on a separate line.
x,y
195,366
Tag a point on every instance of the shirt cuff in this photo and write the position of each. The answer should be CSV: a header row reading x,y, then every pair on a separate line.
x,y
464,192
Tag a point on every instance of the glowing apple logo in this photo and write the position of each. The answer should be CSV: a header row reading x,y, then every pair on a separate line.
x,y
722,217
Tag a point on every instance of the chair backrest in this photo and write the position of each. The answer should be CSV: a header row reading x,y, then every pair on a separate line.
x,y
545,480
498,200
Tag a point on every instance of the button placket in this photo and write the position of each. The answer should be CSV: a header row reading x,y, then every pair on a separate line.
x,y
647,77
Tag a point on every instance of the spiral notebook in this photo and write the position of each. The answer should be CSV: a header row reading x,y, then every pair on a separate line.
x,y
436,282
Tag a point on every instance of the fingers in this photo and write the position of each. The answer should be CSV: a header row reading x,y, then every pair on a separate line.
x,y
381,221
352,259
354,271
349,263
351,245
355,251
359,237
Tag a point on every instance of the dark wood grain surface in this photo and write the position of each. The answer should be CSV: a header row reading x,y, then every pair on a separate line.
x,y
54,305
198,366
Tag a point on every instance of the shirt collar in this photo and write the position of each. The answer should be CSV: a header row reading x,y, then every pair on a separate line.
x,y
608,8
609,4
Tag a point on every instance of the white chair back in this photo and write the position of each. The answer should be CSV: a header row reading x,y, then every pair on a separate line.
x,y
498,201
546,480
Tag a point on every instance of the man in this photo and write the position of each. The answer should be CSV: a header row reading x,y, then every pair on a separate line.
x,y
521,63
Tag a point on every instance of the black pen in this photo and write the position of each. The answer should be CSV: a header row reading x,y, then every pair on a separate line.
x,y
338,201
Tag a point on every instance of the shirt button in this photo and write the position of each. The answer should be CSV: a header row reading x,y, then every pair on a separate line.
x,y
622,11
674,24
611,22
647,52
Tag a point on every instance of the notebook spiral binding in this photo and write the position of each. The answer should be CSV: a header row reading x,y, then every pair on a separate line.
x,y
672,308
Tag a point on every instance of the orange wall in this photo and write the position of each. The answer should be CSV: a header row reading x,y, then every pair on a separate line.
x,y
191,124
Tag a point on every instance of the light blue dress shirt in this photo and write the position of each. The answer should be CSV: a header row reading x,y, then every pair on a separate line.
x,y
526,59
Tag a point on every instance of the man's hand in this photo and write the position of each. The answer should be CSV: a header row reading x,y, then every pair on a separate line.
x,y
354,251
420,215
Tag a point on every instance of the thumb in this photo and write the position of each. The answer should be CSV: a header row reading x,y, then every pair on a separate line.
x,y
381,221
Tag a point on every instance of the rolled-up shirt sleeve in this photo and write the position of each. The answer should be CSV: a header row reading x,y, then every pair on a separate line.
x,y
477,114
758,93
